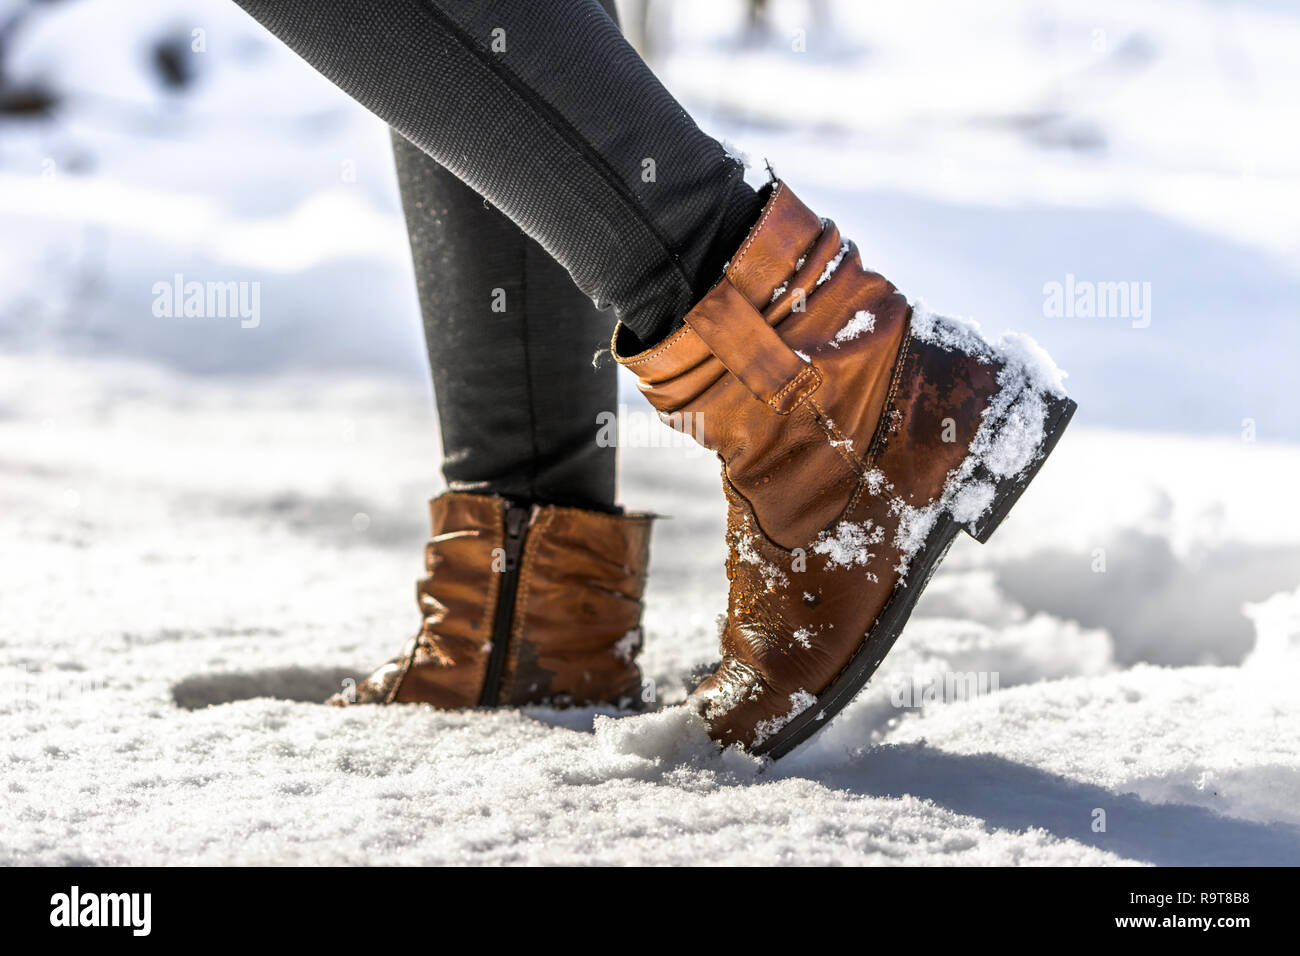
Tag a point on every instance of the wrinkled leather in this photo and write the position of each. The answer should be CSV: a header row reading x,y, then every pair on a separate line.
x,y
575,629
577,623
822,436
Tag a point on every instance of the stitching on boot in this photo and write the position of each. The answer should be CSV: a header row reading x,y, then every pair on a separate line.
x,y
647,356
753,234
775,401
829,425
881,436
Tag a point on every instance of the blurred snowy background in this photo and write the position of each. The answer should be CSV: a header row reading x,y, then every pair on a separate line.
x,y
206,526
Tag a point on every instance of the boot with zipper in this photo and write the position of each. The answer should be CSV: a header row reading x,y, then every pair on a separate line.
x,y
522,604
857,435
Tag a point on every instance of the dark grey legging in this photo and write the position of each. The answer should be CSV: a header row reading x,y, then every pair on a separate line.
x,y
518,398
542,108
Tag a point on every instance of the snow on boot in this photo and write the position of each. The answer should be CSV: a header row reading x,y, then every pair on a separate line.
x,y
857,436
523,604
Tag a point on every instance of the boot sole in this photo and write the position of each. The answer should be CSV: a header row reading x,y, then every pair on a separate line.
x,y
880,639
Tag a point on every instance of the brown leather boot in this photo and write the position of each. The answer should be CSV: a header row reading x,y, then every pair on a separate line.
x,y
522,605
857,437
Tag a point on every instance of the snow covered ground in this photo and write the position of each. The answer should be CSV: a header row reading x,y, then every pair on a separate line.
x,y
205,528
189,564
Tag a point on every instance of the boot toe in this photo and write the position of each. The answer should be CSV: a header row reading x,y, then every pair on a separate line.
x,y
379,688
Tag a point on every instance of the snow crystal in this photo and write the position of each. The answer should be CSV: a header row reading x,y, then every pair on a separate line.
x,y
949,332
833,264
773,577
1015,348
736,153
849,544
800,701
972,501
732,693
862,321
914,526
1026,354
875,481
1015,442
832,430
625,647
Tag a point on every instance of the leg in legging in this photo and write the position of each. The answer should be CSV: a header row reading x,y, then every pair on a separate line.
x,y
544,109
510,342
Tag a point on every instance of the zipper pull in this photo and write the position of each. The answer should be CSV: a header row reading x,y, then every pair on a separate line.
x,y
516,518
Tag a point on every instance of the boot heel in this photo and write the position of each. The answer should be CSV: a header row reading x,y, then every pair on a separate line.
x,y
1060,411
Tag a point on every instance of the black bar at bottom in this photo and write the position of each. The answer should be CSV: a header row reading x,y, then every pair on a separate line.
x,y
351,907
